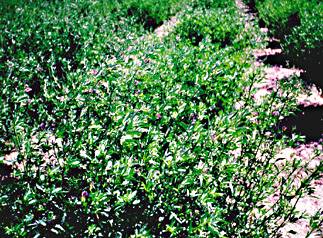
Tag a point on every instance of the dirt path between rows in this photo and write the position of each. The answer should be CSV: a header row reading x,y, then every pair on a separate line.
x,y
311,97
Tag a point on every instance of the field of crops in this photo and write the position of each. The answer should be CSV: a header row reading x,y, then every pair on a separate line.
x,y
109,130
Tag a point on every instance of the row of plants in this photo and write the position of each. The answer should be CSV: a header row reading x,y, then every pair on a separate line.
x,y
116,135
298,26
49,49
45,42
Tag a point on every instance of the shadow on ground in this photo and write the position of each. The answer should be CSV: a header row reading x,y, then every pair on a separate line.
x,y
308,122
276,59
312,66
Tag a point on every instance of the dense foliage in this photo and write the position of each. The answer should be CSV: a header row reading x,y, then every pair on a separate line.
x,y
222,26
112,133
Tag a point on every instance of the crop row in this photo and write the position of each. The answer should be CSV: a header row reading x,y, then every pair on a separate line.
x,y
299,28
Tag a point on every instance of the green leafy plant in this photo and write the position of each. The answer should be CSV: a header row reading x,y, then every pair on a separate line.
x,y
223,26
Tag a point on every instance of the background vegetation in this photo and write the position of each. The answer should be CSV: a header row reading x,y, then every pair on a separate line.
x,y
298,26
